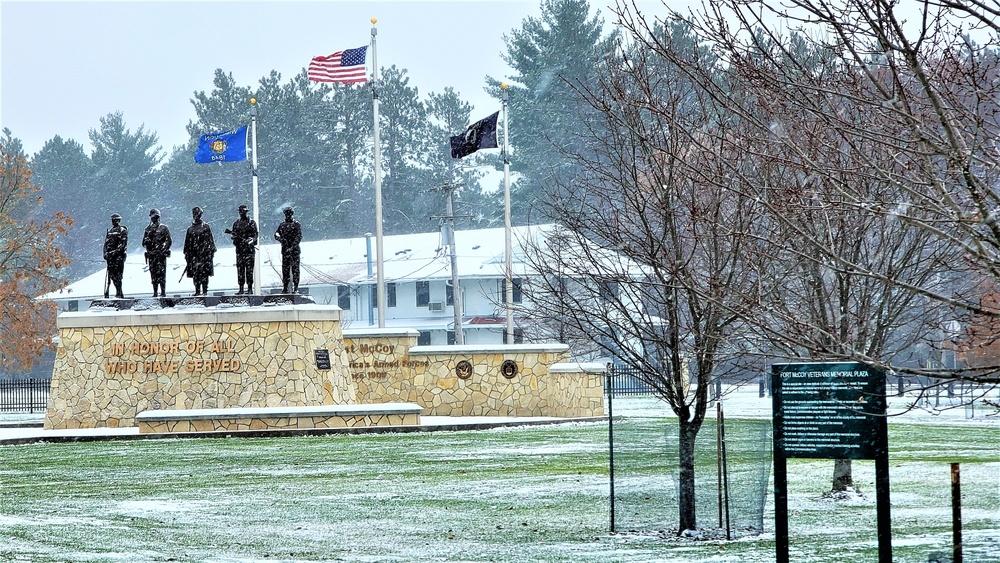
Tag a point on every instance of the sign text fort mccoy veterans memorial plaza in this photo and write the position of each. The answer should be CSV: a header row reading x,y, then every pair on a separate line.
x,y
830,411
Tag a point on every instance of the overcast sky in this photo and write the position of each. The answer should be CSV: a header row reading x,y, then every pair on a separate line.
x,y
67,64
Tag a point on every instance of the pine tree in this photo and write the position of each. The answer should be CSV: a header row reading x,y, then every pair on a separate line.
x,y
554,57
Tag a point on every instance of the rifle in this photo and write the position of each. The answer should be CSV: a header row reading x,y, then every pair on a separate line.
x,y
180,279
249,241
107,283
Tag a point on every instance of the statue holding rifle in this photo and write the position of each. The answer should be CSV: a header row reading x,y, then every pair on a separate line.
x,y
156,240
115,252
244,233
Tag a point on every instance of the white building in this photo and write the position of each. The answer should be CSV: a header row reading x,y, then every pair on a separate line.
x,y
342,272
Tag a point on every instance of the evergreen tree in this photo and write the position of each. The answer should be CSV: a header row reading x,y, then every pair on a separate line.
x,y
553,57
403,127
350,141
475,207
218,188
65,176
339,182
125,168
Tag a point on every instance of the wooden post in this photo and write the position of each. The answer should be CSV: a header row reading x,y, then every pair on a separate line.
x,y
956,512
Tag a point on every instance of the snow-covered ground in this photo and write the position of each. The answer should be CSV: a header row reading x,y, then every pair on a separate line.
x,y
496,495
745,402
740,402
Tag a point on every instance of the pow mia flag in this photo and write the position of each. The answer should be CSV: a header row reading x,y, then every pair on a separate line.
x,y
480,135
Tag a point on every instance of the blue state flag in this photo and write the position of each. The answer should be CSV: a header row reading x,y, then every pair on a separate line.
x,y
228,146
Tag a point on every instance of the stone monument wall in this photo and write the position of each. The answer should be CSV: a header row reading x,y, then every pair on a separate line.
x,y
111,365
472,380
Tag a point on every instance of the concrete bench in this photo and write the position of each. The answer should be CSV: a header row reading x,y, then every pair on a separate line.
x,y
278,418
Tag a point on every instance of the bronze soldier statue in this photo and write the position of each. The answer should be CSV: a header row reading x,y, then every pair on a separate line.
x,y
289,234
244,233
156,240
199,252
115,252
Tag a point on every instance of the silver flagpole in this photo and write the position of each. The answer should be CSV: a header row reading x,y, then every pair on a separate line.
x,y
256,207
508,260
380,274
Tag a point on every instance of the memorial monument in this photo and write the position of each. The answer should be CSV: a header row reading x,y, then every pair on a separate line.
x,y
115,253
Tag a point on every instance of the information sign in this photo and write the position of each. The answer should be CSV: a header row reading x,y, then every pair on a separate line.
x,y
322,359
829,411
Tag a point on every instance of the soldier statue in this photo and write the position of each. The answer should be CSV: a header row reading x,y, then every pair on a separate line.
x,y
156,240
115,252
244,233
199,252
289,234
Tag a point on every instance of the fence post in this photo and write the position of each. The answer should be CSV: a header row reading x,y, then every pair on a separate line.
x,y
611,443
956,512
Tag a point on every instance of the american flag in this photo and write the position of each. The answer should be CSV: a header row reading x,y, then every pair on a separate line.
x,y
347,66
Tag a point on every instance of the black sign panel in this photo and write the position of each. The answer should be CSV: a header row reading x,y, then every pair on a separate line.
x,y
829,410
322,359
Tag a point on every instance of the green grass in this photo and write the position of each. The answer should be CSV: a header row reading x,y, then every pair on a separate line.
x,y
524,494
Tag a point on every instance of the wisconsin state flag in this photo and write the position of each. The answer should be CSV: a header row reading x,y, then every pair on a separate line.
x,y
228,146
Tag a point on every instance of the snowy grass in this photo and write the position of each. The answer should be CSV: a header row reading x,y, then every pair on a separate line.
x,y
523,494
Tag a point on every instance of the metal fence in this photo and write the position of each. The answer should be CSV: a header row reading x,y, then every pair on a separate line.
x,y
24,395
627,381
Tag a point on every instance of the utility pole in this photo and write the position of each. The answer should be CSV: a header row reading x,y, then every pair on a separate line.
x,y
448,232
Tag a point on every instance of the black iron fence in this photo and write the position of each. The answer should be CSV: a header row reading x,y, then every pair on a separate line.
x,y
24,395
627,381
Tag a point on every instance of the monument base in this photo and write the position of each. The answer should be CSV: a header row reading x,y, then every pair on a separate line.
x,y
151,303
112,363
279,418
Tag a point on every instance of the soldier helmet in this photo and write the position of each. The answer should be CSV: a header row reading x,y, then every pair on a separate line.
x,y
243,208
288,211
154,212
115,216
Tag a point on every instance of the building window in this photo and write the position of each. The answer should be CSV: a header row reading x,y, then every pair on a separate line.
x,y
344,297
516,293
451,337
423,293
518,335
390,294
449,294
73,305
424,338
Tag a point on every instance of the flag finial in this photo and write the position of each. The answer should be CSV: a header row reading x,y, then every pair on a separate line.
x,y
503,85
253,101
374,21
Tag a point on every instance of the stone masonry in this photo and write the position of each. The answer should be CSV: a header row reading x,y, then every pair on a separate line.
x,y
472,380
112,365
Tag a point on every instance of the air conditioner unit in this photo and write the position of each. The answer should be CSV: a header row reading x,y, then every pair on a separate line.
x,y
435,306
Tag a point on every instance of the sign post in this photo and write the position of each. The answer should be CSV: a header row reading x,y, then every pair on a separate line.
x,y
830,411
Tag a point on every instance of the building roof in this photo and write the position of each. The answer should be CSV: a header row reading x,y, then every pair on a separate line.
x,y
420,256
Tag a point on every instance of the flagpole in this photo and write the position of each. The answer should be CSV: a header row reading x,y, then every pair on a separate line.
x,y
380,273
256,207
508,260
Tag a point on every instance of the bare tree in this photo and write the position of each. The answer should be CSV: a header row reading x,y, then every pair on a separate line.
x,y
907,111
657,251
878,138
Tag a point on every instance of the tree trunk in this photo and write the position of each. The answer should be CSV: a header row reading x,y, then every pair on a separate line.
x,y
686,501
843,478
